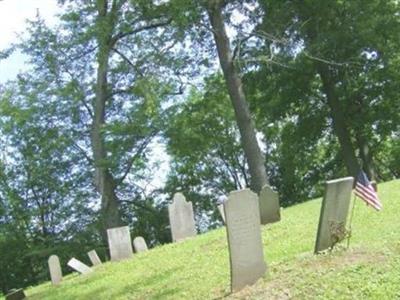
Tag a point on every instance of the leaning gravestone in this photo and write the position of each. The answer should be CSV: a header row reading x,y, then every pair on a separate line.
x,y
221,211
16,295
334,210
242,215
269,205
79,266
139,244
55,269
181,218
94,258
119,243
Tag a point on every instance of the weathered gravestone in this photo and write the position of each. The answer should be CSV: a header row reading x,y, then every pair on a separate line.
x,y
221,211
334,210
269,205
94,258
242,216
139,244
119,243
16,295
181,218
79,266
55,269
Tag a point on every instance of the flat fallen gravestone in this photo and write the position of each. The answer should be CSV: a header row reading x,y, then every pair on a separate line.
x,y
270,210
16,295
79,266
243,228
119,243
139,244
334,211
181,218
94,258
55,269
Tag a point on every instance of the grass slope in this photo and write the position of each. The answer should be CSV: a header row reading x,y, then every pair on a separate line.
x,y
199,268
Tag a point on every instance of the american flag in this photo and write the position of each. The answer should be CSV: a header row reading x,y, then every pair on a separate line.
x,y
366,191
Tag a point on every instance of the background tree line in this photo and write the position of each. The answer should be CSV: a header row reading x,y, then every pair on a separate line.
x,y
308,91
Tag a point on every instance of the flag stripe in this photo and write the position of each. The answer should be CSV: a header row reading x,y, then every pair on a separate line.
x,y
366,191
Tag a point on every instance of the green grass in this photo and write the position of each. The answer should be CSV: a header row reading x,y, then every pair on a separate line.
x,y
199,268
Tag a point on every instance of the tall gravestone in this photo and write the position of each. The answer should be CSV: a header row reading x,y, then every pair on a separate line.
x,y
119,243
181,218
94,258
242,217
55,269
139,244
269,205
79,266
334,211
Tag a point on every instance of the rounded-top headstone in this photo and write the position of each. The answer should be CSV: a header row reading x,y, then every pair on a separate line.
x,y
139,244
269,205
55,269
181,218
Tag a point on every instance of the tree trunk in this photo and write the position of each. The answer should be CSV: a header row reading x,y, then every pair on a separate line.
x,y
339,121
233,81
104,181
366,157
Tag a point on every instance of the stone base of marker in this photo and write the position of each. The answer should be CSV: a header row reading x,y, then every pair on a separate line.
x,y
270,211
16,295
246,255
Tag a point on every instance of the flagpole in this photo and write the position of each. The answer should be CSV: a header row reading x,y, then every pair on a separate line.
x,y
351,220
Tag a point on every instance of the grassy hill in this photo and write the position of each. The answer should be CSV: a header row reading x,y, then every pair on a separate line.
x,y
199,268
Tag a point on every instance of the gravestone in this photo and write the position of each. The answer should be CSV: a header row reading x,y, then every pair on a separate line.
x,y
55,269
181,218
270,210
334,211
16,295
242,216
119,243
139,244
79,266
94,258
221,211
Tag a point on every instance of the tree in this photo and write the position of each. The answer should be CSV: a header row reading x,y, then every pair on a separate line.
x,y
244,120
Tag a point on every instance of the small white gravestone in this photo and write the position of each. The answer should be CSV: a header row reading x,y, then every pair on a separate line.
x,y
269,205
55,269
94,258
119,243
334,210
79,266
221,211
139,244
181,218
242,215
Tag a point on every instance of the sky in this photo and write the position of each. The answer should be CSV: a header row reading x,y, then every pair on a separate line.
x,y
13,14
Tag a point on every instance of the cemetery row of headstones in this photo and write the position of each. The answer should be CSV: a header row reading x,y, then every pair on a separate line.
x,y
119,243
243,213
